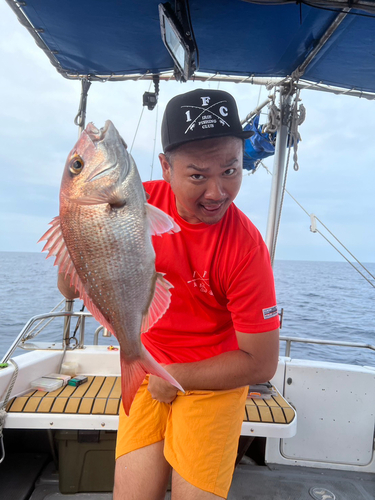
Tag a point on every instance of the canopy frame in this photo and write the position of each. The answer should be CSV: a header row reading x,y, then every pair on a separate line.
x,y
36,32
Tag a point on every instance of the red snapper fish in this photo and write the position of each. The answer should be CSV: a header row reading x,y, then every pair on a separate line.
x,y
102,239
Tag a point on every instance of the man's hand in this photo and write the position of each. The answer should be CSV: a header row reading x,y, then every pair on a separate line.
x,y
161,390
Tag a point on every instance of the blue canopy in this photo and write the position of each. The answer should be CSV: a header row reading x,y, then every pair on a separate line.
x,y
113,39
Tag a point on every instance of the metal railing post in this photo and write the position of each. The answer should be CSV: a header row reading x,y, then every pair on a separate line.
x,y
68,308
278,169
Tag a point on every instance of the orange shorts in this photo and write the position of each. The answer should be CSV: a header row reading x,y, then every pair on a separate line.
x,y
200,430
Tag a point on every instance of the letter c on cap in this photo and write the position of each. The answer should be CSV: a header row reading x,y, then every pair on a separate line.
x,y
223,111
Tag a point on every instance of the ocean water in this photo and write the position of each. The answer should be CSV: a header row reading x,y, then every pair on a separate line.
x,y
321,300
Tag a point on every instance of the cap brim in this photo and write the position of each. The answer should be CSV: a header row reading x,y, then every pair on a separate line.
x,y
245,134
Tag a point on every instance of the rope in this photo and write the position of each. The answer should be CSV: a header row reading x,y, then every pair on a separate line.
x,y
273,119
3,413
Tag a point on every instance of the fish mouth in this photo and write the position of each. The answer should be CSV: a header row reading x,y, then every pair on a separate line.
x,y
98,135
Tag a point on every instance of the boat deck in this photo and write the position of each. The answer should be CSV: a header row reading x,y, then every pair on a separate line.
x,y
101,395
252,482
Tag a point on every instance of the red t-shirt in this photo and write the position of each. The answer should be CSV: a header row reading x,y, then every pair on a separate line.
x,y
222,281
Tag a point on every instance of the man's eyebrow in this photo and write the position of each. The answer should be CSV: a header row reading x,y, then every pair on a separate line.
x,y
200,169
231,163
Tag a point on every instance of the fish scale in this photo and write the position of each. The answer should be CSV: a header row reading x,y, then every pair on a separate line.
x,y
102,240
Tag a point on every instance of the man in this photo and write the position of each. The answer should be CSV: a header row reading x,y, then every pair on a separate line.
x,y
220,332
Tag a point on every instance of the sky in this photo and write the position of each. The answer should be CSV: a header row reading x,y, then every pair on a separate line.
x,y
335,181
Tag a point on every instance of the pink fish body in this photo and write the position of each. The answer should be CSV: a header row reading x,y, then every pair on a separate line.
x,y
102,238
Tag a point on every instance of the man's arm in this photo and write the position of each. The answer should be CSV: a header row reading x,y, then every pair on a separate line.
x,y
255,362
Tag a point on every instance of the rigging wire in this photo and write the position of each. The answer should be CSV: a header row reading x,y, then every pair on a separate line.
x,y
139,122
317,231
349,252
156,130
351,263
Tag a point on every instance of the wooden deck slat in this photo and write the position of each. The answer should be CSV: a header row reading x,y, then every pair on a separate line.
x,y
252,412
259,402
278,415
94,387
83,388
32,404
99,406
102,396
45,405
106,387
265,414
59,405
116,390
289,414
281,401
19,404
112,407
54,394
72,405
85,406
67,391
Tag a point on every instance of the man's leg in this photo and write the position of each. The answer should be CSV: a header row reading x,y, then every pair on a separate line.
x,y
201,442
182,490
142,474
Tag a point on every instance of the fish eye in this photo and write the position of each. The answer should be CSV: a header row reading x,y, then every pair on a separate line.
x,y
76,165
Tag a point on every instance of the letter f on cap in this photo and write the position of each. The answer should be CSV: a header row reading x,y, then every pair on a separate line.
x,y
205,101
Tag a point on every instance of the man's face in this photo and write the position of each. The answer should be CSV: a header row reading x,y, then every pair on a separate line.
x,y
205,177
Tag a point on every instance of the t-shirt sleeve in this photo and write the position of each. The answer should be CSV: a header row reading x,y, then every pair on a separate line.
x,y
251,293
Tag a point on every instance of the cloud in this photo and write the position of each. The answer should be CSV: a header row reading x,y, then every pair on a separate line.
x,y
335,179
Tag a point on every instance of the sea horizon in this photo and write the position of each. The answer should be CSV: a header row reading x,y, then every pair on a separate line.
x,y
276,259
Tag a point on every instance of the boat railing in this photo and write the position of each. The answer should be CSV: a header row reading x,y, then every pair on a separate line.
x,y
106,333
38,323
338,343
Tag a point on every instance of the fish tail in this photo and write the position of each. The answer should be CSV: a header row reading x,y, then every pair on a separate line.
x,y
133,374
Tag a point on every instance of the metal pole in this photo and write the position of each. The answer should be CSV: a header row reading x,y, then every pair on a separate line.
x,y
278,168
68,308
82,332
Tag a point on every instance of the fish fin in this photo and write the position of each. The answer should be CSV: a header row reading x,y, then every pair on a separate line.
x,y
133,374
57,248
112,195
160,303
160,222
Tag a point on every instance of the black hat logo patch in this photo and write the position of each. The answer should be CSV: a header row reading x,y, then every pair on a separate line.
x,y
209,115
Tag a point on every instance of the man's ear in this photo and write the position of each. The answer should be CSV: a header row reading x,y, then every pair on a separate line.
x,y
166,168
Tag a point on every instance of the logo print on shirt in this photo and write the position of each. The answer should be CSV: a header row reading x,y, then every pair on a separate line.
x,y
201,282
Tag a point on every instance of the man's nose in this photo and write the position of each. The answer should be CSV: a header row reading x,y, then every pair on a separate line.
x,y
214,190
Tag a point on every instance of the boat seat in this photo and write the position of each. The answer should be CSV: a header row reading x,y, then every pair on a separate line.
x,y
96,405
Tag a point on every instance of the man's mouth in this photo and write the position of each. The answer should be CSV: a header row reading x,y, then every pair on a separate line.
x,y
212,208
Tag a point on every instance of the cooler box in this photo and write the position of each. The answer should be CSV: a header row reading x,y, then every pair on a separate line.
x,y
86,460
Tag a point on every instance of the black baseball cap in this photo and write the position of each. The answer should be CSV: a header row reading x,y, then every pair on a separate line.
x,y
200,114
